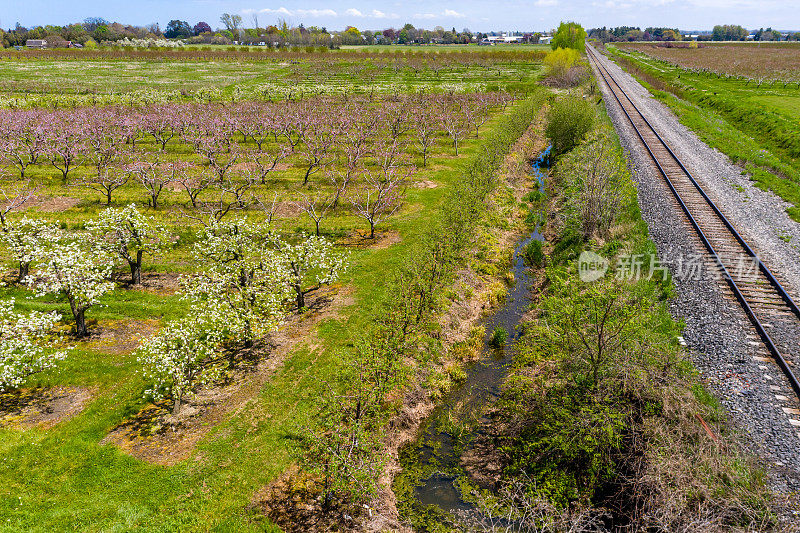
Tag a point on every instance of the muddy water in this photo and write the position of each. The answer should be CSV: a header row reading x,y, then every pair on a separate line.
x,y
434,458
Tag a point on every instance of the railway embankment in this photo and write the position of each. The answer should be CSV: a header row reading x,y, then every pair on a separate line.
x,y
721,339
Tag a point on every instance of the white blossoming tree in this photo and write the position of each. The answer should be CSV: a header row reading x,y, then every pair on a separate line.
x,y
75,272
25,344
242,284
179,359
311,263
24,238
129,234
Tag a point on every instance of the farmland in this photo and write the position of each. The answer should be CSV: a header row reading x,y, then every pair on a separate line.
x,y
758,61
122,76
307,289
366,171
722,91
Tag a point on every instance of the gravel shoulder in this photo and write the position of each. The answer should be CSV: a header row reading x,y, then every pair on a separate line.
x,y
719,337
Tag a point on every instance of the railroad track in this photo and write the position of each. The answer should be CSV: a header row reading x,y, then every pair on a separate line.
x,y
771,310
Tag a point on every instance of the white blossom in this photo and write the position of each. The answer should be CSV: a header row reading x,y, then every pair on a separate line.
x,y
180,358
75,271
26,345
242,283
24,239
128,234
311,263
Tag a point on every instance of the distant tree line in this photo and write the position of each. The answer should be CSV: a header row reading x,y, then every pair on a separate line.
x,y
631,33
725,32
91,30
233,29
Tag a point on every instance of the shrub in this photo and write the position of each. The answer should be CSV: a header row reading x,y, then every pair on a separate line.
x,y
499,337
534,254
596,174
568,122
560,60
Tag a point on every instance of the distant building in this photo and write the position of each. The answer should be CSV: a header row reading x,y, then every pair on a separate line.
x,y
53,43
504,38
545,39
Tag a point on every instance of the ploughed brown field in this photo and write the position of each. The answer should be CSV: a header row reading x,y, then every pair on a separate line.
x,y
755,60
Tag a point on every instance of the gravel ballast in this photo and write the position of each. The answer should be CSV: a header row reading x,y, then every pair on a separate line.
x,y
720,338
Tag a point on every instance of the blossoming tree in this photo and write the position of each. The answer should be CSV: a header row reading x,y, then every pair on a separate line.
x,y
311,263
26,345
178,359
242,283
79,274
23,238
128,234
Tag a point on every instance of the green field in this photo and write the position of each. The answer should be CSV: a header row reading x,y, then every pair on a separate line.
x,y
72,78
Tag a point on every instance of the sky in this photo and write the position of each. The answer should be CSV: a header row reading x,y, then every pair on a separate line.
x,y
476,15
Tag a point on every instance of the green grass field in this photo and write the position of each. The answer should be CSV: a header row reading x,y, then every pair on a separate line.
x,y
385,68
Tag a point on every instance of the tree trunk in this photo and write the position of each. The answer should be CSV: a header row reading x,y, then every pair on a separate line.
x,y
80,323
136,269
371,230
24,270
176,405
108,196
301,298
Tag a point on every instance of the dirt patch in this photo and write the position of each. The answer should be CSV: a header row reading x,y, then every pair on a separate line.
x,y
157,436
121,336
426,184
361,239
51,204
287,210
290,503
160,283
41,407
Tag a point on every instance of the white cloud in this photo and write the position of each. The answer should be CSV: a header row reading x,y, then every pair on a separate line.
x,y
317,12
545,3
376,14
447,13
288,13
452,13
279,11
381,15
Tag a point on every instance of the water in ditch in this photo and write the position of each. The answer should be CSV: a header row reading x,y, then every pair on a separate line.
x,y
432,465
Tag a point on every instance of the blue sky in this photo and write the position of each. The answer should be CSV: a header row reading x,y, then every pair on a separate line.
x,y
474,14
